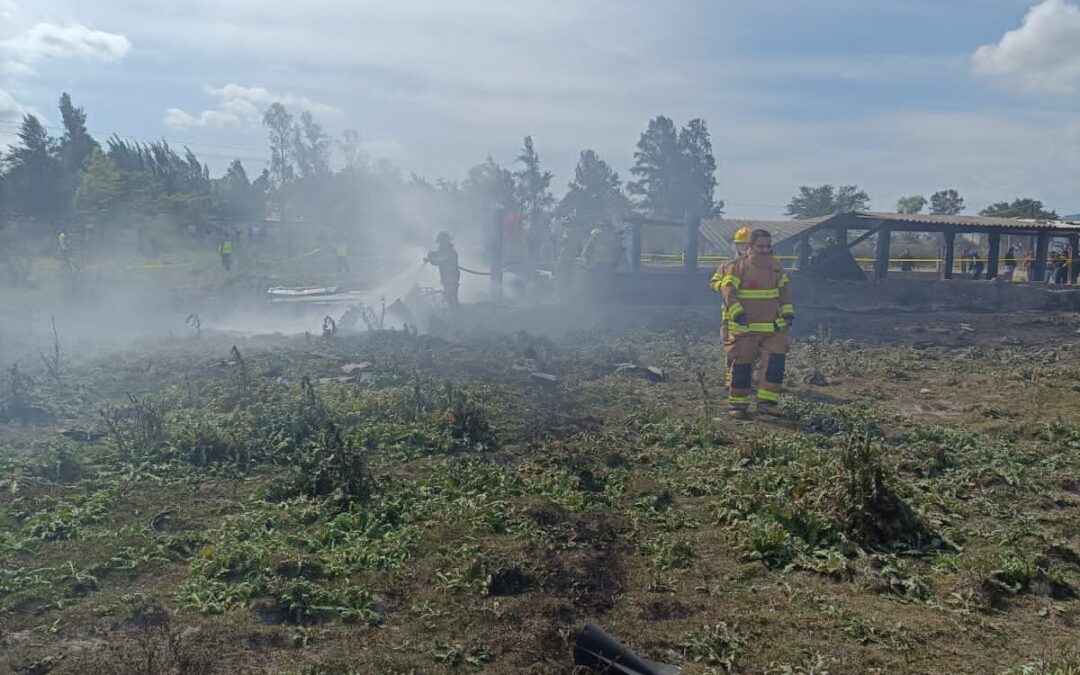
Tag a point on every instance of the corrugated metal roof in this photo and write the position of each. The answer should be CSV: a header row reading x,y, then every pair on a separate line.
x,y
716,235
974,221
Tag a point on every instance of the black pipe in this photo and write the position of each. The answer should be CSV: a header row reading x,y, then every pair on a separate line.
x,y
599,651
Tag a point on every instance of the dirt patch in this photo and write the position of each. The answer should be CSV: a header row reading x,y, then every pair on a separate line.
x,y
592,575
510,581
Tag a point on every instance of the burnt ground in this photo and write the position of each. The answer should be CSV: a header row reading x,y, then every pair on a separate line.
x,y
257,510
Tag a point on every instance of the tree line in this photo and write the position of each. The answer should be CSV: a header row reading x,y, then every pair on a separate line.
x,y
53,183
824,200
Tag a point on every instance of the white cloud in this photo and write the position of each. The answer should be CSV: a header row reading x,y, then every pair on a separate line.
x,y
241,106
11,111
1043,54
47,41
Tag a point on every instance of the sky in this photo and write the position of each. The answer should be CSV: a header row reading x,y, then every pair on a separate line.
x,y
900,97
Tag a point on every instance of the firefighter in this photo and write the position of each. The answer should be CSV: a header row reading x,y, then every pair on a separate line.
x,y
566,269
758,314
739,244
445,257
225,251
601,251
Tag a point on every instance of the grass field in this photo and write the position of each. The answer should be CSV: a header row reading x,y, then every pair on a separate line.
x,y
227,504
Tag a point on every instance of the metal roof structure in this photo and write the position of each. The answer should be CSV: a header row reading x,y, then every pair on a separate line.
x,y
964,223
717,234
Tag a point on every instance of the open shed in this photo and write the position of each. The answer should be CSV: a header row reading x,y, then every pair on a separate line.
x,y
883,225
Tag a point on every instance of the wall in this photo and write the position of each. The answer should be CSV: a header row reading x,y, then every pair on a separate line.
x,y
672,287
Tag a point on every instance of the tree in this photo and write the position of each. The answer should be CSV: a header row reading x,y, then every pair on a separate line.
x,y
312,148
946,203
349,145
532,186
675,170
913,204
1021,207
174,173
489,186
34,180
656,167
107,194
236,197
77,147
281,128
698,174
824,200
850,198
596,192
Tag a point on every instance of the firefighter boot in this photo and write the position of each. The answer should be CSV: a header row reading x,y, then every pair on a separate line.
x,y
772,380
739,412
770,408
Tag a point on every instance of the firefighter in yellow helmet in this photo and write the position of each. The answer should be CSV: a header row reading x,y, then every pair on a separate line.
x,y
758,314
741,241
739,245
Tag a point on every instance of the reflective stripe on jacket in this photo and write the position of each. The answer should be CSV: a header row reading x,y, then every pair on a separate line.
x,y
759,288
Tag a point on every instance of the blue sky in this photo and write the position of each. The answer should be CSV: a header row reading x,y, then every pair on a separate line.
x,y
900,97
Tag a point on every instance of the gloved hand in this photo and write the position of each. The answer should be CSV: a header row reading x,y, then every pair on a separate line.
x,y
742,319
790,318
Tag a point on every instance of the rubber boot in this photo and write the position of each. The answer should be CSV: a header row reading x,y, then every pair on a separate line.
x,y
770,408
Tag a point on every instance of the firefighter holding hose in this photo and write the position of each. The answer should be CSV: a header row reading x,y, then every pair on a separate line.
x,y
445,257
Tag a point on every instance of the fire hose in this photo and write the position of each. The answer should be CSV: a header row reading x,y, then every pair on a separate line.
x,y
479,274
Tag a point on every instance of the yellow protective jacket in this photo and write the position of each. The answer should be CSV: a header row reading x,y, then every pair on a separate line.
x,y
758,287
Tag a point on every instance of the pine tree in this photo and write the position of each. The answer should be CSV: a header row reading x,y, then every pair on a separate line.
x,y
596,192
532,186
34,184
946,203
675,170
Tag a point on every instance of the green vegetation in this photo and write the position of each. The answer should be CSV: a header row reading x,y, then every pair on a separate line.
x,y
235,506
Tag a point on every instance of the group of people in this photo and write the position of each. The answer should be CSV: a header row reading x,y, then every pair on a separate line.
x,y
1058,263
602,251
1056,270
757,308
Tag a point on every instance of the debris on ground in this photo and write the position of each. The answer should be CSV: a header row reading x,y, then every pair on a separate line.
x,y
650,373
544,378
598,651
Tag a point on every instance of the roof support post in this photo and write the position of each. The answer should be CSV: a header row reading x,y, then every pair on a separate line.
x,y
881,262
693,237
635,247
994,256
950,253
1042,248
497,253
804,252
1074,267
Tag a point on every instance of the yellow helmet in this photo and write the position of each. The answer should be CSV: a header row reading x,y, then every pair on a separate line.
x,y
742,235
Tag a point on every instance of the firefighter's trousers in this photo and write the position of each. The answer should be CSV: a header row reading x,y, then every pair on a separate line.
x,y
770,350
